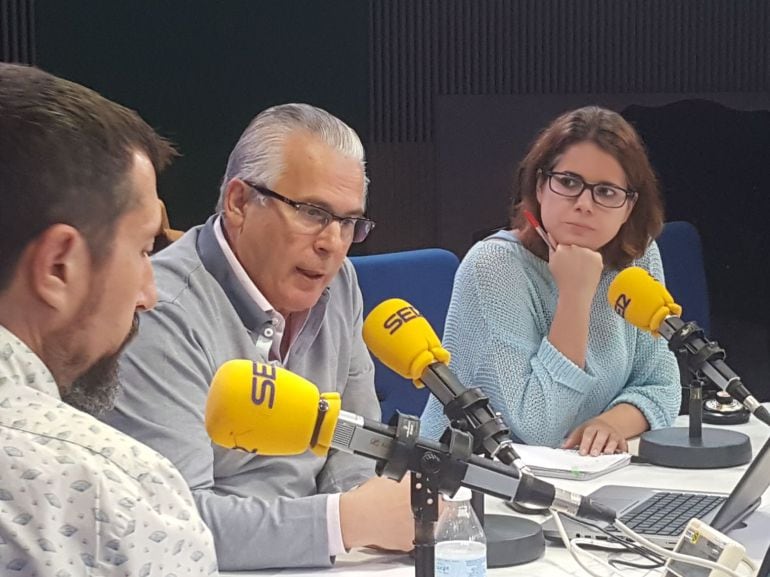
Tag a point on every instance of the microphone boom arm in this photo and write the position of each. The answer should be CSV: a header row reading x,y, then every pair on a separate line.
x,y
454,465
706,358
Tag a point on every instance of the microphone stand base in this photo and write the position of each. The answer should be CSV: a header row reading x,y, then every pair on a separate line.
x,y
512,540
714,449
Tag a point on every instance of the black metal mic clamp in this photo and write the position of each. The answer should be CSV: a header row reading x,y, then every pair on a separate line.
x,y
469,411
690,343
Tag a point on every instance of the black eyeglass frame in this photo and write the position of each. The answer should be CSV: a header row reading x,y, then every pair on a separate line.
x,y
367,223
630,194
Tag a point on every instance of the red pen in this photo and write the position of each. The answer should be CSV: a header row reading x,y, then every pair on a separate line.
x,y
538,228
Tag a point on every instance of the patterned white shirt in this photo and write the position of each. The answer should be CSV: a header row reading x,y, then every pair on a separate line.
x,y
78,497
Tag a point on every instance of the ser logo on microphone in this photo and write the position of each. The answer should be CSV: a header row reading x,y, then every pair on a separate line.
x,y
621,304
400,318
263,384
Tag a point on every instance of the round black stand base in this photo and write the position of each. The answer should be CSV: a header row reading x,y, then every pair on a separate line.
x,y
721,417
716,448
512,540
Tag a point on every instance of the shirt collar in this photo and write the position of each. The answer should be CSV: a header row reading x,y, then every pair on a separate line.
x,y
20,365
240,273
214,259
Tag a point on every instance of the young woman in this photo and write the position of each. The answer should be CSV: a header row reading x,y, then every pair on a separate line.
x,y
530,323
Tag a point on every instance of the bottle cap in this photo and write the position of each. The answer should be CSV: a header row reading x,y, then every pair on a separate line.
x,y
463,494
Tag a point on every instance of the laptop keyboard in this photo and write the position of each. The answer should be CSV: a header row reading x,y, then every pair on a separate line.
x,y
667,513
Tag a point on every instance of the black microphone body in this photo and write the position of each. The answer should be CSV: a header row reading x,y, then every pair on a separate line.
x,y
705,358
374,440
415,353
469,409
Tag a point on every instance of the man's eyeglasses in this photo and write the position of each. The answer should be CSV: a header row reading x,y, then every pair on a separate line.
x,y
313,219
573,185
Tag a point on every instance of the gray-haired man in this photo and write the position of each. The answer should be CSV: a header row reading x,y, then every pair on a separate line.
x,y
266,279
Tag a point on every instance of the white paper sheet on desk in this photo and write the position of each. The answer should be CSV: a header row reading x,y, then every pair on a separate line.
x,y
568,463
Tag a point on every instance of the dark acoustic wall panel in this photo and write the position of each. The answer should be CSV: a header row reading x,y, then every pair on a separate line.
x,y
200,70
423,48
422,52
17,31
401,197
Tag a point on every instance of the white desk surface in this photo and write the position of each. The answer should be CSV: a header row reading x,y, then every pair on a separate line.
x,y
556,561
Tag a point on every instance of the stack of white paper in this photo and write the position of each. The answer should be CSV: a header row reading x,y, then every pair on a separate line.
x,y
568,463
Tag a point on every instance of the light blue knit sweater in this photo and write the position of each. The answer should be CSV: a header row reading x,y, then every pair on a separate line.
x,y
497,327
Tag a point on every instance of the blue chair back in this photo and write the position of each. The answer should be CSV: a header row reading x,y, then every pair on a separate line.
x,y
680,250
424,279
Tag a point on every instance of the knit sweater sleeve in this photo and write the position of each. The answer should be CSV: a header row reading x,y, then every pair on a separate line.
x,y
496,331
653,386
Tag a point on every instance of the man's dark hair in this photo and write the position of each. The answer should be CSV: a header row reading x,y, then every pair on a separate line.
x,y
65,155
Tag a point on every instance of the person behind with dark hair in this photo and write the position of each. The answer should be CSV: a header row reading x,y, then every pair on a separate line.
x,y
266,278
531,325
79,215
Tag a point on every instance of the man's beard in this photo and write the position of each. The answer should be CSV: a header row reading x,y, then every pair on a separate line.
x,y
95,391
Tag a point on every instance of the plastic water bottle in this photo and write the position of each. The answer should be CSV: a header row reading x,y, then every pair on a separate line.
x,y
461,546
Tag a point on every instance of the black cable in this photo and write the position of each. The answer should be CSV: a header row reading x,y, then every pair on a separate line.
x,y
762,414
616,562
657,560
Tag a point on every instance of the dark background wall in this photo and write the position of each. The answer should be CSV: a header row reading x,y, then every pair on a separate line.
x,y
199,70
416,78
446,95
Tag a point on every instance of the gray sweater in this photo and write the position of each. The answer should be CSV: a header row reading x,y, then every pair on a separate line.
x,y
263,511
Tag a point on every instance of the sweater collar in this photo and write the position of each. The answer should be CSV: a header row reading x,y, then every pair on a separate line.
x,y
213,259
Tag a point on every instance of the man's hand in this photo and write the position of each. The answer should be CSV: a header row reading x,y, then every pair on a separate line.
x,y
595,437
379,514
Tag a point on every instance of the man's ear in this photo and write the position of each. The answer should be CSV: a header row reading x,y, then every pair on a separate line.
x,y
59,266
237,196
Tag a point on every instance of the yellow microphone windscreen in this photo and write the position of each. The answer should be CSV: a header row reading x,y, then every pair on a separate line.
x,y
403,339
261,408
640,299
